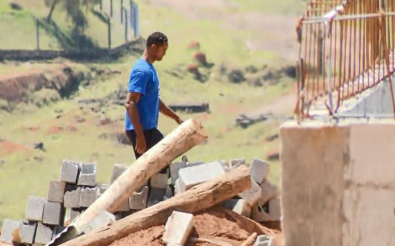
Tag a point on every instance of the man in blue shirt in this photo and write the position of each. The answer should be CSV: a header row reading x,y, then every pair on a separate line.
x,y
143,103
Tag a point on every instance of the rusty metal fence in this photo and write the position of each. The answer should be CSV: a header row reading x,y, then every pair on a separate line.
x,y
345,48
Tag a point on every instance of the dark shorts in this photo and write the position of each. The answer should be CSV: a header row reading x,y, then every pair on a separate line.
x,y
152,137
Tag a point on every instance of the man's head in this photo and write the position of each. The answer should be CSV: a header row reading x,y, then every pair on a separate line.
x,y
157,44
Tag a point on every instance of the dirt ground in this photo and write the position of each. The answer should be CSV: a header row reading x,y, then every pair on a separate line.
x,y
215,224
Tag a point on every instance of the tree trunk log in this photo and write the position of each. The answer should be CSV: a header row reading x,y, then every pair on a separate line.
x,y
198,198
186,136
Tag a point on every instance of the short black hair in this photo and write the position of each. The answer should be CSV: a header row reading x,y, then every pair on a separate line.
x,y
156,38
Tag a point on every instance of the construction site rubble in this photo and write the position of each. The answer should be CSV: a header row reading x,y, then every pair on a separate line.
x,y
77,189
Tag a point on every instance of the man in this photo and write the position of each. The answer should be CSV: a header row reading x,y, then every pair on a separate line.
x,y
143,103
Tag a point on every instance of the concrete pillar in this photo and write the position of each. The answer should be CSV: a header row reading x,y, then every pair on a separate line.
x,y
338,185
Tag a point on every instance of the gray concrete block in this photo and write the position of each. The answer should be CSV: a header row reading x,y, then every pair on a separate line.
x,y
27,231
53,213
160,180
195,175
87,175
169,192
238,206
194,164
236,163
43,234
262,240
178,228
177,189
9,226
102,219
259,170
174,168
35,208
57,230
87,179
268,191
70,171
56,191
252,195
117,171
87,197
275,209
138,200
74,213
101,189
72,197
155,196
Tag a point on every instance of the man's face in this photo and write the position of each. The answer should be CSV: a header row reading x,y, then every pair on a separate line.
x,y
160,51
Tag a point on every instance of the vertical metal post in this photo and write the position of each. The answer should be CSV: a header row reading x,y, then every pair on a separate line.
x,y
111,8
135,17
38,33
122,17
320,51
101,5
109,32
126,25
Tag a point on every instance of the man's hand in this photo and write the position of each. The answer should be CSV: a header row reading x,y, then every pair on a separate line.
x,y
178,120
141,145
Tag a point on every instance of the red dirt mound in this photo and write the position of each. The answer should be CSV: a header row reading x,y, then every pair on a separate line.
x,y
215,224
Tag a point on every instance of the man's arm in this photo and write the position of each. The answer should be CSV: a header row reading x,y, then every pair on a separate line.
x,y
131,107
164,109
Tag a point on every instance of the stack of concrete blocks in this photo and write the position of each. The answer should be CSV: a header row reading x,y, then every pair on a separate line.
x,y
45,217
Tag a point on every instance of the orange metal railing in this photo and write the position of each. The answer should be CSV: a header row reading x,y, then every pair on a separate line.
x,y
345,48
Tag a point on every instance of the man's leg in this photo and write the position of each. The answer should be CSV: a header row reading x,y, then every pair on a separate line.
x,y
132,137
155,136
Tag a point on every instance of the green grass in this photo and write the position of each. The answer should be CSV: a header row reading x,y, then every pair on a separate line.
x,y
29,173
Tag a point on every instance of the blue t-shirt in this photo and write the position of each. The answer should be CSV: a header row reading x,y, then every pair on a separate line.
x,y
144,80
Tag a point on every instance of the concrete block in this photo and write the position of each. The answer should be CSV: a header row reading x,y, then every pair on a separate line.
x,y
236,163
174,168
117,171
252,195
138,200
169,192
259,170
102,219
9,226
69,172
35,208
74,213
27,231
268,191
262,240
160,180
195,175
56,191
155,196
53,213
178,227
87,175
72,197
260,214
238,206
101,189
177,189
87,197
194,164
57,230
44,234
275,209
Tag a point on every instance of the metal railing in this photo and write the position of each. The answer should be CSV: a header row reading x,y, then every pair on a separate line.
x,y
345,48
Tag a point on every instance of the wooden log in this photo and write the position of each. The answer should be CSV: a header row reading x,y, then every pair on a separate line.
x,y
198,198
250,240
187,135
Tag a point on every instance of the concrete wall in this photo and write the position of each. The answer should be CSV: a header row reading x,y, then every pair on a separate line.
x,y
373,102
338,184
